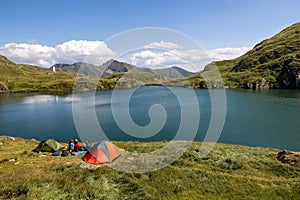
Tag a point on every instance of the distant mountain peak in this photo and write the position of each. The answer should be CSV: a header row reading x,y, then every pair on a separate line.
x,y
114,66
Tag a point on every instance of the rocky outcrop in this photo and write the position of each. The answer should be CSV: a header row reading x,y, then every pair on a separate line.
x,y
292,158
289,77
3,87
263,84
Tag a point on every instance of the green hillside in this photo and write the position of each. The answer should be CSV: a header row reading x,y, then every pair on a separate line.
x,y
26,78
273,63
125,80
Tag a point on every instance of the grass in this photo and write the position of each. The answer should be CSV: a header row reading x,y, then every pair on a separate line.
x,y
228,172
27,78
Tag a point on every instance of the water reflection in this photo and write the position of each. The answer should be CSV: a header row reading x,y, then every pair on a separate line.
x,y
278,93
46,99
41,99
11,98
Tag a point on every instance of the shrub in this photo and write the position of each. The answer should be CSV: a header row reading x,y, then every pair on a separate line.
x,y
229,164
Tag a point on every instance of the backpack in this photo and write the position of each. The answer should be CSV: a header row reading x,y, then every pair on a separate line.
x,y
64,153
57,153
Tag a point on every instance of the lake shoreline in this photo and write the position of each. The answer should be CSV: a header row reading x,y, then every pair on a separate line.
x,y
64,93
144,142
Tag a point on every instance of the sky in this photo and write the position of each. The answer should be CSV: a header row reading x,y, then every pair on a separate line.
x,y
50,31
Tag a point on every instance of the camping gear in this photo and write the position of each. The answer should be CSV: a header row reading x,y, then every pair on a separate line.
x,y
78,153
49,145
58,152
102,152
64,153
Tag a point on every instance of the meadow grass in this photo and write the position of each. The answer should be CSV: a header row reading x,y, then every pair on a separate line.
x,y
227,172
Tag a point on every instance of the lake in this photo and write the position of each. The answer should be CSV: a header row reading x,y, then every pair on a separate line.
x,y
254,118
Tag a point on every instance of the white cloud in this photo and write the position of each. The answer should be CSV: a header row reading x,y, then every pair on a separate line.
x,y
149,58
192,59
162,45
227,53
95,52
34,54
154,55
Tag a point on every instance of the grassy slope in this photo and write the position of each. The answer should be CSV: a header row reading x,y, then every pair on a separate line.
x,y
27,78
266,60
228,172
135,79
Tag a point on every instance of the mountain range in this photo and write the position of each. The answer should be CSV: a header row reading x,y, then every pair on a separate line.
x,y
113,66
272,63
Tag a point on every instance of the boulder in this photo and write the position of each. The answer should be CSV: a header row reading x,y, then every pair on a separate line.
x,y
3,86
9,138
292,158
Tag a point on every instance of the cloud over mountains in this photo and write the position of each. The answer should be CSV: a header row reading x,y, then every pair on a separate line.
x,y
67,52
162,54
97,52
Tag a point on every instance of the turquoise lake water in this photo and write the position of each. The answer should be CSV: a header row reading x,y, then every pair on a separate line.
x,y
254,118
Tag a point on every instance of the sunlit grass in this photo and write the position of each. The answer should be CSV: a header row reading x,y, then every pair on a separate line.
x,y
228,172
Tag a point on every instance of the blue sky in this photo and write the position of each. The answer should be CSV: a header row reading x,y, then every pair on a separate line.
x,y
212,23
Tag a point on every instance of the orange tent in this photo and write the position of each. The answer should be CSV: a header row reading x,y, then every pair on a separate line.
x,y
102,152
